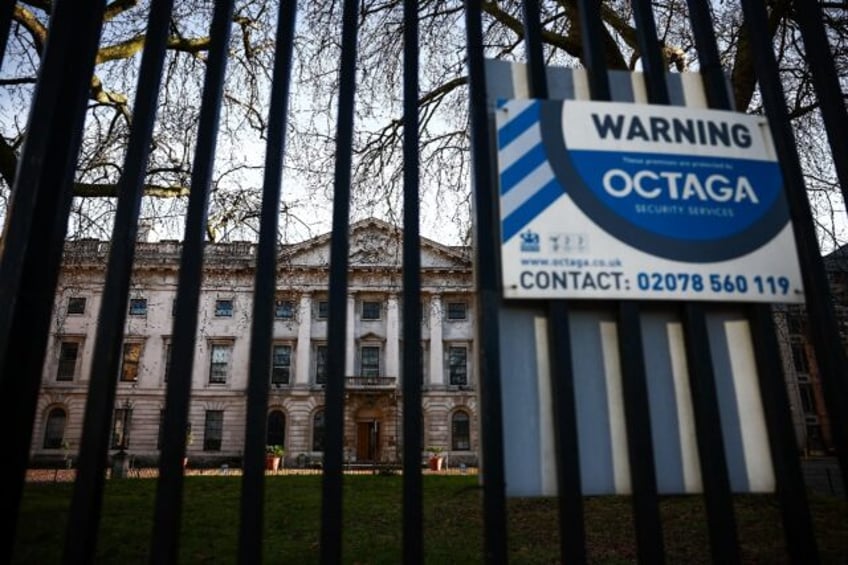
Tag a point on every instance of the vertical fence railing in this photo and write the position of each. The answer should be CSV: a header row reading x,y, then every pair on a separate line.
x,y
169,491
721,519
265,287
80,541
29,267
488,296
413,513
640,450
331,501
572,529
29,270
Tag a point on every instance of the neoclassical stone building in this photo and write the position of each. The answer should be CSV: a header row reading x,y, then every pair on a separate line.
x,y
373,404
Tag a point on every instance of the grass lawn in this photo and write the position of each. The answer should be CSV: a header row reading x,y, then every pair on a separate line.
x,y
372,523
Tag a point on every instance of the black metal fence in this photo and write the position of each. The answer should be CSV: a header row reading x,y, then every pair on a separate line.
x,y
35,231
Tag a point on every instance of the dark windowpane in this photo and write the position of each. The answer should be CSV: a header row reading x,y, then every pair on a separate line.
x,y
284,310
281,365
457,310
458,365
68,353
370,361
76,306
318,431
799,358
460,432
323,310
371,310
224,308
138,306
276,428
167,360
321,364
213,430
54,431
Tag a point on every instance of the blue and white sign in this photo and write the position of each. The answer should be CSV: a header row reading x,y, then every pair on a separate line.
x,y
610,200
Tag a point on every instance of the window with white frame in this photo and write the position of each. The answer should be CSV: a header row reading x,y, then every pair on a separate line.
x,y
130,361
371,310
458,364
281,362
68,355
220,359
369,361
460,431
213,430
321,364
322,310
224,308
457,310
284,310
76,305
138,307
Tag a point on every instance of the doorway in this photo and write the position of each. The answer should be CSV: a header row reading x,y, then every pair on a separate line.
x,y
368,441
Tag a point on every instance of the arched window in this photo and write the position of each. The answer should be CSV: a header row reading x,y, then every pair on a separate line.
x,y
460,431
54,431
276,428
318,431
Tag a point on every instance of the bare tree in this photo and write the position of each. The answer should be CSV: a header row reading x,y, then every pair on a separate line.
x,y
378,155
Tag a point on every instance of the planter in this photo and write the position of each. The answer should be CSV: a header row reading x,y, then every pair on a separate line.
x,y
436,463
272,463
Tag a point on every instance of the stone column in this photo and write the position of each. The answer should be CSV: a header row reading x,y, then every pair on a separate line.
x,y
304,340
350,342
392,337
437,364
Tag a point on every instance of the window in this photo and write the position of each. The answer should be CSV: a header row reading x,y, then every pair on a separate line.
x,y
76,305
460,431
284,310
121,428
321,364
174,307
129,362
168,346
281,365
318,431
68,353
276,434
323,311
138,307
799,358
371,310
224,308
808,403
219,368
458,365
54,431
457,310
370,361
213,430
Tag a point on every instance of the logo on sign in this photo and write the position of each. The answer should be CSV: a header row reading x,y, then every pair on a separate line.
x,y
530,241
687,185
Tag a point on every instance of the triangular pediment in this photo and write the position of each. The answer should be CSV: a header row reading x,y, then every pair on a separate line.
x,y
376,243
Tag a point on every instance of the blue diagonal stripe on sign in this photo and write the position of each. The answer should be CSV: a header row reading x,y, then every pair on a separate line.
x,y
508,155
516,126
513,223
524,190
522,167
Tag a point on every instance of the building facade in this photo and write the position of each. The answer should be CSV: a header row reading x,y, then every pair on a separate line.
x,y
803,377
373,349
